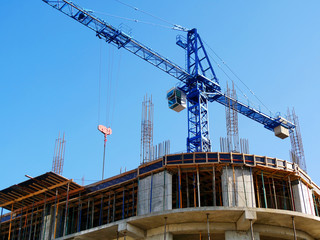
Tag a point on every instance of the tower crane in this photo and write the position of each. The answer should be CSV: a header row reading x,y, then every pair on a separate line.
x,y
199,84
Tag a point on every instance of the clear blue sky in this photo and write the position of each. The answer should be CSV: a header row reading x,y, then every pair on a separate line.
x,y
50,80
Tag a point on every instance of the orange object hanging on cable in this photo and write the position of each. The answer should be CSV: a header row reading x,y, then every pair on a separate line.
x,y
106,131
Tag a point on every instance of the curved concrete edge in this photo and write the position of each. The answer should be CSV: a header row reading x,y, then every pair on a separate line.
x,y
267,222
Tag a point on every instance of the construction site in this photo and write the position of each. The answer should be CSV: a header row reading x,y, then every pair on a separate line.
x,y
197,194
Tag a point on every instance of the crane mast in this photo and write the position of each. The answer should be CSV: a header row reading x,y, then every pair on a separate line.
x,y
198,83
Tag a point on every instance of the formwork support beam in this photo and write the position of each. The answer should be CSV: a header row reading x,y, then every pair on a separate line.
x,y
35,193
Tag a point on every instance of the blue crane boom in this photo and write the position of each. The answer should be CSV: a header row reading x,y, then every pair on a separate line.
x,y
198,82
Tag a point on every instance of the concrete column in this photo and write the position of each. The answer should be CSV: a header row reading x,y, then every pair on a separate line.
x,y
237,187
155,193
239,235
302,196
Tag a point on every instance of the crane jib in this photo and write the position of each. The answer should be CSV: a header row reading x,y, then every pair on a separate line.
x,y
116,37
268,121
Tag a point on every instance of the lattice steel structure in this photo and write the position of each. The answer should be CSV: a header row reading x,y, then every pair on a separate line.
x,y
146,130
297,151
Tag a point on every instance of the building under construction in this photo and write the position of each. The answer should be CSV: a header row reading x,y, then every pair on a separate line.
x,y
212,195
199,194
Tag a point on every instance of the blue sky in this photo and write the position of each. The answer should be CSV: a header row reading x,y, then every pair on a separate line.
x,y
50,67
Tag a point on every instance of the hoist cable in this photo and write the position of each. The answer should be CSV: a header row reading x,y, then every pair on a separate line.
x,y
139,10
175,27
109,86
227,75
116,89
99,95
229,68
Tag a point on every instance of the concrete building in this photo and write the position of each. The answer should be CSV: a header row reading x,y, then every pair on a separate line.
x,y
182,196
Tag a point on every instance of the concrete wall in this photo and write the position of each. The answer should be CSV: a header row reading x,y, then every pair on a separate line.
x,y
303,200
155,193
237,187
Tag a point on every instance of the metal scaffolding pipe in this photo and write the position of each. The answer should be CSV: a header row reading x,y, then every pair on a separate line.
x,y
194,192
251,229
123,203
214,186
274,194
30,231
244,188
294,228
291,193
198,187
180,194
165,228
55,214
151,193
187,190
108,208
133,199
1,217
43,217
10,222
101,211
227,181
79,213
208,229
66,212
164,188
234,187
264,191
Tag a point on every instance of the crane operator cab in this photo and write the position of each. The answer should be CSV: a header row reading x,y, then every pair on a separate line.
x,y
176,99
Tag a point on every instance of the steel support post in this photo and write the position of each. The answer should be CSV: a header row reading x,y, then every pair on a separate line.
x,y
264,191
208,227
66,212
294,228
251,229
198,187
